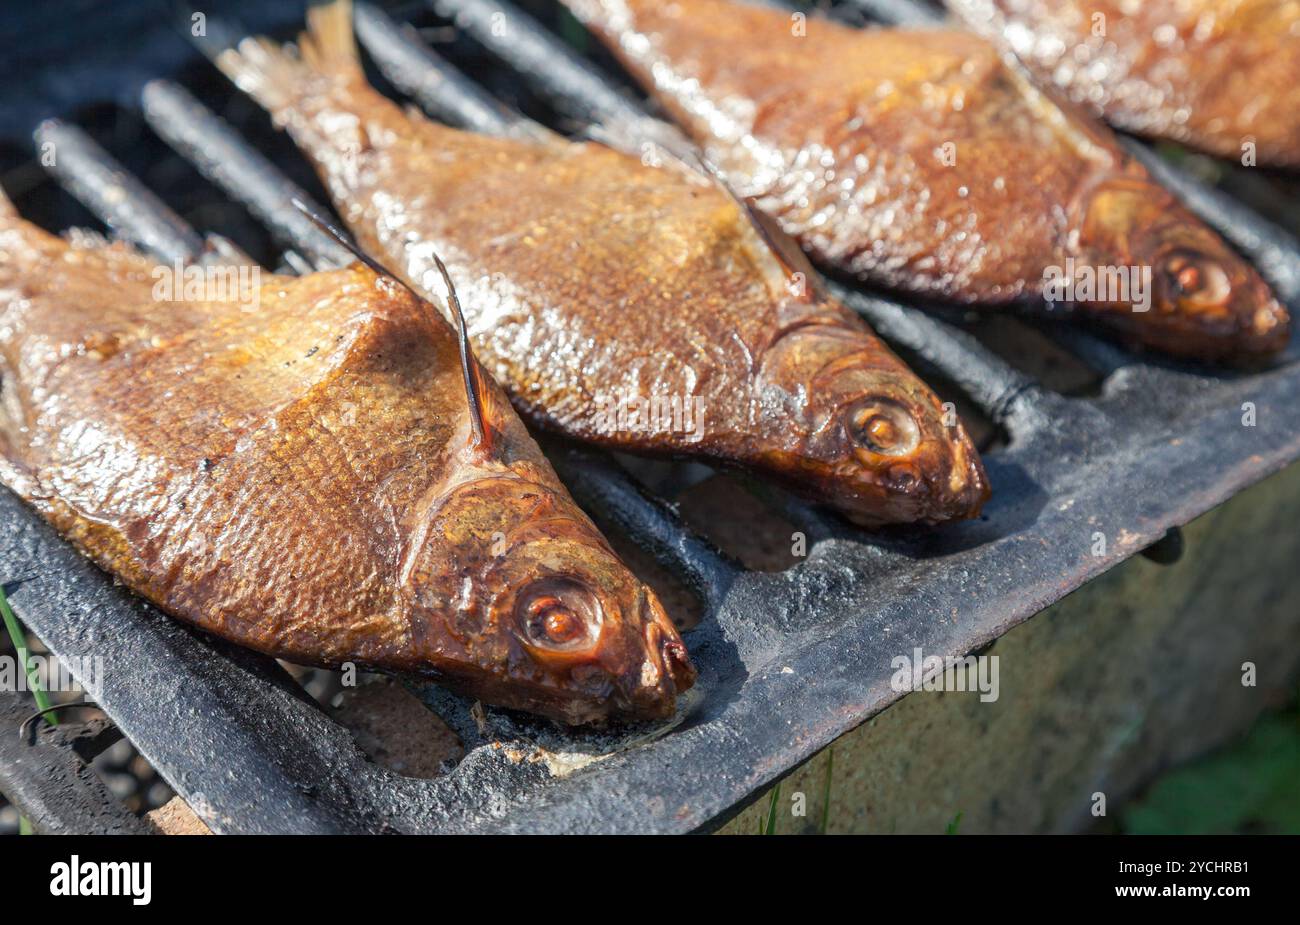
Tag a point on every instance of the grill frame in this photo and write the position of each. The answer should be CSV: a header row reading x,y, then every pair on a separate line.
x,y
789,660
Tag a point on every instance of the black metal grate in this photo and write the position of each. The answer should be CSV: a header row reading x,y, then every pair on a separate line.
x,y
789,660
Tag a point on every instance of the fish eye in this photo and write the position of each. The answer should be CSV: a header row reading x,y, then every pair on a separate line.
x,y
1195,280
881,426
559,614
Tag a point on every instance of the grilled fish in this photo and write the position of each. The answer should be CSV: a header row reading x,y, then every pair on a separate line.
x,y
627,305
298,466
919,161
1220,75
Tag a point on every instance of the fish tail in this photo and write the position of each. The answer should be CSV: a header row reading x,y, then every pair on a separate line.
x,y
280,77
328,45
7,211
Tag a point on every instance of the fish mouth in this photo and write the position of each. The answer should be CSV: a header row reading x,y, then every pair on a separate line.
x,y
670,659
921,491
666,671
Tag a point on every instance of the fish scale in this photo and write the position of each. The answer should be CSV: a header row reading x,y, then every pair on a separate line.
x,y
296,469
921,161
1215,74
595,282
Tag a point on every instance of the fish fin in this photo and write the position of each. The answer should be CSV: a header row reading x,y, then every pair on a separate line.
x,y
475,388
7,211
264,70
274,74
470,368
328,46
794,265
780,245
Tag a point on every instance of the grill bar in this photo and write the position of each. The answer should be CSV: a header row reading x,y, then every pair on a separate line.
x,y
901,12
1000,391
216,149
429,79
91,175
48,776
600,484
514,36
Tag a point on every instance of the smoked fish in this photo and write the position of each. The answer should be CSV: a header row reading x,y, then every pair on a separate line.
x,y
1219,75
627,305
920,161
303,466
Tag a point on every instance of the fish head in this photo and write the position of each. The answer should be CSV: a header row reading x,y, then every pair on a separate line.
x,y
877,441
519,600
1199,297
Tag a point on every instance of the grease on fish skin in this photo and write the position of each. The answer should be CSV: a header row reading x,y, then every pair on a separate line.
x,y
918,160
305,480
591,278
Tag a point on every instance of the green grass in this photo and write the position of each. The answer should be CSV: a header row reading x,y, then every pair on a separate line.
x,y
1247,787
952,827
771,813
19,642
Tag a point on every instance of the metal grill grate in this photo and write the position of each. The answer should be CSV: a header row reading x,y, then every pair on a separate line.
x,y
788,660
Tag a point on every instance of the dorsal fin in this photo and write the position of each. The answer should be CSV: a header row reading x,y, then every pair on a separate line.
x,y
786,254
469,367
782,248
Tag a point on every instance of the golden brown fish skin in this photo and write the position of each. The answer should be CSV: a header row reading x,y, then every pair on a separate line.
x,y
918,160
1213,74
300,478
589,277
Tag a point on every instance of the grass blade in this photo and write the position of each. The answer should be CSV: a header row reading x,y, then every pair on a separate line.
x,y
771,810
20,648
19,642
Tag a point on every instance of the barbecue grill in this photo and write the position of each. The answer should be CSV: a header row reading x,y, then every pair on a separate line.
x,y
789,660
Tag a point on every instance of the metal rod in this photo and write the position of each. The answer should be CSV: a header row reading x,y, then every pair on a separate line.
x,y
900,12
92,176
222,156
429,79
52,785
522,42
1000,390
600,484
